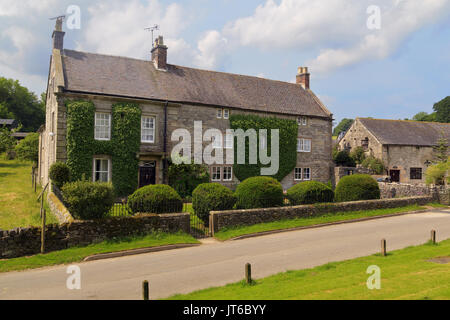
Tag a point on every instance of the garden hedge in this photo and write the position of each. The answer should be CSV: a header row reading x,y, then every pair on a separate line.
x,y
310,192
357,187
88,200
259,192
155,199
211,197
59,174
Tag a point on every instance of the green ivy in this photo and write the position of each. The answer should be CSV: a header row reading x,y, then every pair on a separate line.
x,y
123,146
288,144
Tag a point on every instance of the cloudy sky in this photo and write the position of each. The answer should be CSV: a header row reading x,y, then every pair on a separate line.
x,y
393,71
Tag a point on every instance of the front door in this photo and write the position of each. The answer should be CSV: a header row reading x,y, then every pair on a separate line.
x,y
395,175
147,174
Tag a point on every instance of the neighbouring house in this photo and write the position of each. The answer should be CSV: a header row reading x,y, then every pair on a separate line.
x,y
172,97
9,123
405,147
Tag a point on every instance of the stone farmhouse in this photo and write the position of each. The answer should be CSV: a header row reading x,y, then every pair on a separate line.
x,y
405,147
173,97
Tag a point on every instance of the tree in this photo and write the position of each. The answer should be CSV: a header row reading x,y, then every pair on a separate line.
x,y
184,178
343,159
423,116
374,164
442,109
7,142
343,126
28,148
437,173
17,102
358,154
441,150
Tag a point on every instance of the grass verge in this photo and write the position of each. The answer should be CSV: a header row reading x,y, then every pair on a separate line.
x,y
77,254
229,233
405,274
18,204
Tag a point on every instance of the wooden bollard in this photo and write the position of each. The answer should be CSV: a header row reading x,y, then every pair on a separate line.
x,y
43,231
248,273
145,292
433,236
383,248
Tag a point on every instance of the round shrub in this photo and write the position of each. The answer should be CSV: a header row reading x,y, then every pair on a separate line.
x,y
310,192
357,187
155,199
59,174
259,192
211,197
88,200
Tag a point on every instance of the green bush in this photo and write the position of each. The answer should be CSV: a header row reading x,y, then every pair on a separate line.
x,y
357,187
59,174
28,148
358,155
343,159
310,192
437,173
88,200
373,164
259,192
211,197
184,178
155,199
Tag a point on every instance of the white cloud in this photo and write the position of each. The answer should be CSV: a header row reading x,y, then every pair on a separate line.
x,y
22,40
25,8
211,48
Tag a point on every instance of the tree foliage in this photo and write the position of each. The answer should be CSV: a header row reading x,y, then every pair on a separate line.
x,y
28,148
184,178
17,102
442,109
343,126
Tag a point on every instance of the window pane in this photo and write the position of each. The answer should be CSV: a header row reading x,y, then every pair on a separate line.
x,y
148,129
219,114
102,126
306,174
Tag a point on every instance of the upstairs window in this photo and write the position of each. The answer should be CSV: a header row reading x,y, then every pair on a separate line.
x,y
102,126
216,143
302,121
303,145
219,114
226,114
148,130
229,141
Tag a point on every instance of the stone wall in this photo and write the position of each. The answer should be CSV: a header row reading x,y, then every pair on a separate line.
x,y
58,209
27,241
400,190
223,219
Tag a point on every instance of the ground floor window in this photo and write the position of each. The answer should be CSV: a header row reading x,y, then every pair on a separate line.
x,y
306,174
216,173
101,170
302,174
221,174
227,173
298,174
416,173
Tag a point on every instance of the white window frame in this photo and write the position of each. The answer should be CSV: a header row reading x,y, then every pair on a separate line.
x,y
94,169
229,141
217,144
219,113
96,137
213,172
226,114
296,173
302,121
231,173
304,174
304,145
143,129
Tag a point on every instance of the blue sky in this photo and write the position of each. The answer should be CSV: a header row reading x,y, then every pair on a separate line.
x,y
392,72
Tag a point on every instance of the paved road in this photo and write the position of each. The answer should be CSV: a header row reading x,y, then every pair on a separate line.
x,y
215,264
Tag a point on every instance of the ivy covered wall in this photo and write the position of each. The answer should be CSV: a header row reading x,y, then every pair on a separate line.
x,y
122,148
288,130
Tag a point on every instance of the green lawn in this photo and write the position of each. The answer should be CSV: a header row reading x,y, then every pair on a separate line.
x,y
405,274
18,205
78,254
229,233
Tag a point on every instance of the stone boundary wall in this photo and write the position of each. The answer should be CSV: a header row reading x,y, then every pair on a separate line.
x,y
27,241
399,190
233,218
58,209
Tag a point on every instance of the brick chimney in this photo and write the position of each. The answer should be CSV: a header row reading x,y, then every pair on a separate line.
x,y
303,77
58,35
159,54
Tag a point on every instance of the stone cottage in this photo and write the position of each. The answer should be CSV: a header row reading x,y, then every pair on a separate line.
x,y
173,97
405,147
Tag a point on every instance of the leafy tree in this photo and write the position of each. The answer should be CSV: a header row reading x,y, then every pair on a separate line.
x,y
374,164
441,150
358,154
343,126
343,159
7,142
423,116
442,109
17,102
184,178
437,173
28,148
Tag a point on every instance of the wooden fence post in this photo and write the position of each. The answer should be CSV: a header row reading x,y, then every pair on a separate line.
x,y
145,291
43,232
248,273
383,248
433,236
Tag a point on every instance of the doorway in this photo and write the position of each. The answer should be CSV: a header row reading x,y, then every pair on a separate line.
x,y
147,173
395,175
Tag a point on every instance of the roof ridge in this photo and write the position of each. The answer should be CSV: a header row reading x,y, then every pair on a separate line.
x,y
413,121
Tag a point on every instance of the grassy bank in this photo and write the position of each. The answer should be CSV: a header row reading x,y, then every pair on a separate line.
x,y
230,233
405,274
18,205
78,254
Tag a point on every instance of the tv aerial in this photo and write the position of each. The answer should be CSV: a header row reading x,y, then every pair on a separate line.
x,y
59,21
152,30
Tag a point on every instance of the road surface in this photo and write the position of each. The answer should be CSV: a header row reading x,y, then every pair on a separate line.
x,y
220,263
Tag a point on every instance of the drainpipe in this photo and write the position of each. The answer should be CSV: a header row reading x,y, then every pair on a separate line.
x,y
165,143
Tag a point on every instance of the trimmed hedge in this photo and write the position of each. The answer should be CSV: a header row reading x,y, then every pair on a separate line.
x,y
59,174
259,192
88,200
357,187
211,197
155,199
310,192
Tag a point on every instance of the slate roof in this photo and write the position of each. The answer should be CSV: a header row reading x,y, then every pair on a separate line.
x,y
7,122
126,77
410,133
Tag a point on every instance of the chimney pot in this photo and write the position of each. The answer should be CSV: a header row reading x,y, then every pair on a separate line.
x,y
303,77
58,35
